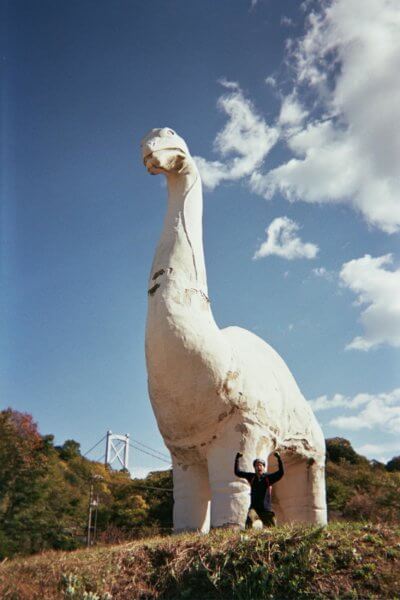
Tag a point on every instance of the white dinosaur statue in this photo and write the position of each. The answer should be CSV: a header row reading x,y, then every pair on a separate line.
x,y
218,391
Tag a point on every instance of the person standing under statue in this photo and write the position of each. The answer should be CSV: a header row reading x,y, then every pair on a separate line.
x,y
260,482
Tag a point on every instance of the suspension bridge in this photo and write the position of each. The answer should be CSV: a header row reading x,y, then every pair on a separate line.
x,y
117,450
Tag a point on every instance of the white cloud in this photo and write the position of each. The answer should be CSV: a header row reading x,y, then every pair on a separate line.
x,y
381,411
142,472
326,403
292,113
282,241
379,290
380,452
243,143
212,172
373,450
270,80
229,85
349,60
351,402
376,414
323,273
346,148
287,21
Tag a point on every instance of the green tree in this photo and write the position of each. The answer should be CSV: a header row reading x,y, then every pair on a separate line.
x,y
338,449
69,450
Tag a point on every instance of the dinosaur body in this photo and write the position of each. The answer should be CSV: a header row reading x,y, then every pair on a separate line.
x,y
215,391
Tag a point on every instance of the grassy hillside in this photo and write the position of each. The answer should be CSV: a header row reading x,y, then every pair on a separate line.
x,y
341,561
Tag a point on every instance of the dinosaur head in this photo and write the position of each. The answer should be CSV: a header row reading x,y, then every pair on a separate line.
x,y
164,151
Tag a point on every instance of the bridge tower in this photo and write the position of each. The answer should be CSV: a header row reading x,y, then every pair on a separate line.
x,y
117,449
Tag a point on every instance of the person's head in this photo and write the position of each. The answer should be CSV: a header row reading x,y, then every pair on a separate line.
x,y
259,465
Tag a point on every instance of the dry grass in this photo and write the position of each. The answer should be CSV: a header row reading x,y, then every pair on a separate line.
x,y
345,560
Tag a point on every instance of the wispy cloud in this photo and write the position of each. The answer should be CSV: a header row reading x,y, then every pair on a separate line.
x,y
242,144
378,449
282,240
337,400
292,112
229,85
142,472
287,21
378,289
270,80
326,403
381,452
381,411
323,273
376,414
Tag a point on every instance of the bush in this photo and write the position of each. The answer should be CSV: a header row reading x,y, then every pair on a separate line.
x,y
361,507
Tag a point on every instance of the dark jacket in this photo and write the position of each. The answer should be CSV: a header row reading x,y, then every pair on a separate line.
x,y
260,486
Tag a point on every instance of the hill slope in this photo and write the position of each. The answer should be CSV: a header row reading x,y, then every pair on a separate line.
x,y
344,560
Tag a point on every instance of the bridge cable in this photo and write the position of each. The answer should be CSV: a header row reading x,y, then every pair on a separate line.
x,y
95,446
150,448
150,454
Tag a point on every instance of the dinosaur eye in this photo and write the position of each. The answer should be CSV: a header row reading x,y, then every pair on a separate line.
x,y
171,132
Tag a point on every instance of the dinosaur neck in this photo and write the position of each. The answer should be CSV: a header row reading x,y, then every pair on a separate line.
x,y
181,245
187,356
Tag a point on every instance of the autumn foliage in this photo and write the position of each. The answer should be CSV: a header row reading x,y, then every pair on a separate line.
x,y
44,493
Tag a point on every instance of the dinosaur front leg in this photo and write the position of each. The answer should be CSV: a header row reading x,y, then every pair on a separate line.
x,y
191,498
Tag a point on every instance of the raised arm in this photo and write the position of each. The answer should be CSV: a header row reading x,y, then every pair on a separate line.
x,y
274,477
238,472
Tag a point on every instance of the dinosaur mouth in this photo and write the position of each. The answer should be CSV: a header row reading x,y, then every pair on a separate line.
x,y
154,150
147,157
153,163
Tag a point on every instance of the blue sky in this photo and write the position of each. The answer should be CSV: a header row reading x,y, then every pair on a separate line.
x,y
293,112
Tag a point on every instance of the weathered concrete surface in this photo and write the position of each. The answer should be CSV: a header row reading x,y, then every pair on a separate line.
x,y
215,392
